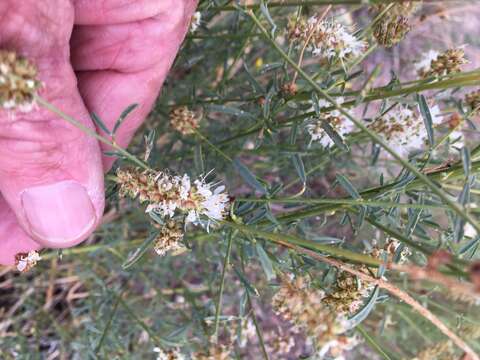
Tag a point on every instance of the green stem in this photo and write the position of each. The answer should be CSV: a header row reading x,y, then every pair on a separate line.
x,y
226,263
107,326
282,239
257,327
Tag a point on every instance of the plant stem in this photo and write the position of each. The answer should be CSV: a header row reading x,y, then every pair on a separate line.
x,y
226,263
291,239
87,130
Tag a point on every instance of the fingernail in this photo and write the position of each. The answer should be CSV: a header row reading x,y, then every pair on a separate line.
x,y
59,215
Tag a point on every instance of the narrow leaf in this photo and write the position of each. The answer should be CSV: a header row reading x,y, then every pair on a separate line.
x,y
139,252
99,122
123,116
265,261
427,118
249,178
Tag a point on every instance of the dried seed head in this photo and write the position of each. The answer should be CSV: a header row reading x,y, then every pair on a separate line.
x,y
26,261
449,62
391,30
395,24
170,238
18,82
184,120
348,294
473,101
297,302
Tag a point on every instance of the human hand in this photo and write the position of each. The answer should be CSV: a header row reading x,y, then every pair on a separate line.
x,y
51,174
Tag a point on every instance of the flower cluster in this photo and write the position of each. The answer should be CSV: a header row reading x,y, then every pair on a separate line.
x,y
169,239
184,120
26,261
326,38
18,82
348,294
394,25
200,202
305,307
403,129
439,64
338,122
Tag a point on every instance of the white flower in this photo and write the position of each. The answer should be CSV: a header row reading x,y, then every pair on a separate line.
x,y
168,355
212,204
423,65
340,123
185,187
196,21
331,39
26,262
436,113
402,129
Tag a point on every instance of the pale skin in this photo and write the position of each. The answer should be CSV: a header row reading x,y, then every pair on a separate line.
x,y
93,56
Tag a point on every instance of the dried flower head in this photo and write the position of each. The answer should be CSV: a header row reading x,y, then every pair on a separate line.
x,y
473,101
170,238
167,195
18,82
302,305
26,261
348,294
184,120
448,62
325,38
391,30
337,121
395,24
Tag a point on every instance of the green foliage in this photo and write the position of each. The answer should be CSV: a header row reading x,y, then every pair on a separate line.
x,y
114,298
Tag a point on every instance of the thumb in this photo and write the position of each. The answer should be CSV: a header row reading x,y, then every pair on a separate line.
x,y
51,173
